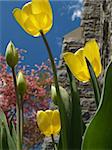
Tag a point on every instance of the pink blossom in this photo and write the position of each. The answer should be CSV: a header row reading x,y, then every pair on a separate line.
x,y
37,95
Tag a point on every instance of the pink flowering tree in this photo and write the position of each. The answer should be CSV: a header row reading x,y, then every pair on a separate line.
x,y
37,95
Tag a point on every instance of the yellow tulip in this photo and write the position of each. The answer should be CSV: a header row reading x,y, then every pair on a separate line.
x,y
35,16
49,122
77,63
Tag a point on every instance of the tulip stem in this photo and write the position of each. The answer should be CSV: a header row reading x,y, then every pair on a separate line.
x,y
18,125
53,141
52,62
60,104
21,116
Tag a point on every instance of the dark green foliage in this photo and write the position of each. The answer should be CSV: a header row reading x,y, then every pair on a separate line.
x,y
94,83
99,132
6,137
77,126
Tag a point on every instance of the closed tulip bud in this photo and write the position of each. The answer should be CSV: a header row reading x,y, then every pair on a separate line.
x,y
63,93
21,83
11,55
64,96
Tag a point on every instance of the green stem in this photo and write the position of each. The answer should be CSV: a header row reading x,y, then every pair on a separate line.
x,y
60,104
53,141
21,116
76,123
52,62
18,126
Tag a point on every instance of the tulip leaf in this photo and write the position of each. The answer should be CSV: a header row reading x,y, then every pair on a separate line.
x,y
59,146
94,82
64,123
63,142
3,138
64,106
99,132
77,126
10,141
12,131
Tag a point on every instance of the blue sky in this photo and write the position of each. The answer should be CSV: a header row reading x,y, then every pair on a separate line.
x,y
66,18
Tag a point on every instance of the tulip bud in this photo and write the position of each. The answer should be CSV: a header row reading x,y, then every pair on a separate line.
x,y
64,96
11,55
21,83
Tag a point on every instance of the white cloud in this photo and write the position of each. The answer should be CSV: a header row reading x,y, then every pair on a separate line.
x,y
73,9
76,14
80,1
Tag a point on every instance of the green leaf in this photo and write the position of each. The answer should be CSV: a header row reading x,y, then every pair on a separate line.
x,y
64,108
77,126
99,132
94,83
59,146
63,104
12,131
3,138
64,123
11,143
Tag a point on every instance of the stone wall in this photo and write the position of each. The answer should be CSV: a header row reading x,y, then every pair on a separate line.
x,y
96,23
91,19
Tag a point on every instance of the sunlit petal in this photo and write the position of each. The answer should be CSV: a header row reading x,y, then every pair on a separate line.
x,y
56,122
49,122
91,51
20,16
41,6
27,8
35,16
77,64
44,123
32,26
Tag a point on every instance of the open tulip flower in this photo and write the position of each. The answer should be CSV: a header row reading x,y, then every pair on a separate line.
x,y
49,122
77,62
34,17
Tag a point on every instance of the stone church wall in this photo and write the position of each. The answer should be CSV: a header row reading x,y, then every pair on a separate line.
x,y
96,23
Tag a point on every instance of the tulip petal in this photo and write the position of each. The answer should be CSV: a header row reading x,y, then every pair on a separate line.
x,y
44,123
41,6
56,122
45,23
32,26
91,51
77,65
27,8
43,11
97,67
20,16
